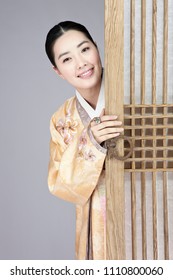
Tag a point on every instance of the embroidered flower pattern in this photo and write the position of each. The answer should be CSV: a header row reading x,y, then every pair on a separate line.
x,y
82,152
82,140
67,128
89,155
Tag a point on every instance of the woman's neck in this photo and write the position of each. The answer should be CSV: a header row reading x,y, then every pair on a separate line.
x,y
91,95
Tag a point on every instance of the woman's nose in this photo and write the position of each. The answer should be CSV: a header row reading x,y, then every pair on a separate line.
x,y
81,63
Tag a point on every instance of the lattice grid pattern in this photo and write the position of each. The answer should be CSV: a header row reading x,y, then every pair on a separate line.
x,y
150,128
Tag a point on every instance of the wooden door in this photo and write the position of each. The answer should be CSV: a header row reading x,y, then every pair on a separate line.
x,y
139,89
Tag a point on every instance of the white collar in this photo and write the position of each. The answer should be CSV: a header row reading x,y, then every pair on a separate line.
x,y
100,103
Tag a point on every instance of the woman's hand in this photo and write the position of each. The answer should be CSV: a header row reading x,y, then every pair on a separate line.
x,y
108,128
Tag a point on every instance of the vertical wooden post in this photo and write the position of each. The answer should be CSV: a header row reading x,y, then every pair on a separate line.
x,y
165,122
114,94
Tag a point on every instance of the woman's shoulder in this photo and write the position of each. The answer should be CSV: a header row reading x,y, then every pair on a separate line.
x,y
66,109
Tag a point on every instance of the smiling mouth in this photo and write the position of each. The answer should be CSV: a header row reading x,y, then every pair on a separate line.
x,y
86,74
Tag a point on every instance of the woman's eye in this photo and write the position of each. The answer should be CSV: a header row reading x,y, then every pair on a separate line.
x,y
66,59
85,49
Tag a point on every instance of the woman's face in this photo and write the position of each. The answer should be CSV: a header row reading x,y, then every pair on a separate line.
x,y
78,61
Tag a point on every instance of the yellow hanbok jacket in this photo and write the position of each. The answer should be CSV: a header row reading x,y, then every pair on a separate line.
x,y
76,174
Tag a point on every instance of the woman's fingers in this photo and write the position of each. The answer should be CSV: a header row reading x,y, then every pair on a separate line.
x,y
106,130
108,118
105,127
107,136
104,119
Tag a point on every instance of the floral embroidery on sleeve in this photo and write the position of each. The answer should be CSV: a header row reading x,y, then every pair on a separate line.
x,y
82,151
67,128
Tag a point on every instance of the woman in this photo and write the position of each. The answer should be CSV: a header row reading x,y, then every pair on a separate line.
x,y
78,131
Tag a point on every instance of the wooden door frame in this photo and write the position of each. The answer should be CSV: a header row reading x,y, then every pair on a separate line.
x,y
114,95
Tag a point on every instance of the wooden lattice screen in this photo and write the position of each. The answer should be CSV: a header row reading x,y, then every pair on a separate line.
x,y
140,189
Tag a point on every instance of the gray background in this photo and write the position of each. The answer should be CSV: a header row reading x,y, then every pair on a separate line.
x,y
33,223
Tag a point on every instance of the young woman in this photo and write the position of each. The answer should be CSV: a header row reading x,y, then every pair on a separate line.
x,y
78,132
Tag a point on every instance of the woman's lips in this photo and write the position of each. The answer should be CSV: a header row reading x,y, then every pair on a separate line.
x,y
86,74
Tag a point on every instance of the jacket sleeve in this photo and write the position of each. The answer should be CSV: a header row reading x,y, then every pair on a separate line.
x,y
74,169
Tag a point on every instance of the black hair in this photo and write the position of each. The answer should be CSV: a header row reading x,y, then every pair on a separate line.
x,y
57,31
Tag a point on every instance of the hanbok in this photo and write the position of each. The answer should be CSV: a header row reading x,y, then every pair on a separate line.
x,y
76,174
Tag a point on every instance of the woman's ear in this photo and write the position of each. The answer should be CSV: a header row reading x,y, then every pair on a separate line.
x,y
58,72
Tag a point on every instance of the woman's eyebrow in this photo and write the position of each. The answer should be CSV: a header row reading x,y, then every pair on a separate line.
x,y
79,45
62,54
83,42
